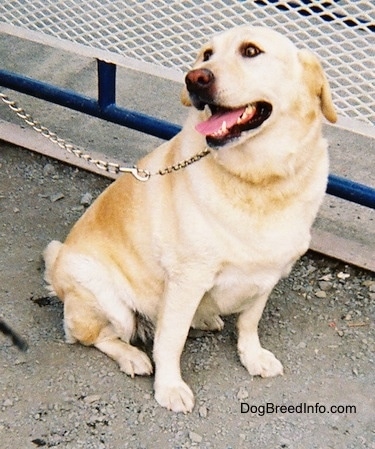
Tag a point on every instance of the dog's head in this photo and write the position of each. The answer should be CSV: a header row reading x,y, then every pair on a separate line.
x,y
247,78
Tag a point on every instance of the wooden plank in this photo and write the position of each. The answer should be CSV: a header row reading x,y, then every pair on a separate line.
x,y
31,140
351,251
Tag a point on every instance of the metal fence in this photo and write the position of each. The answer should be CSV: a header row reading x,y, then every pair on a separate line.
x,y
167,33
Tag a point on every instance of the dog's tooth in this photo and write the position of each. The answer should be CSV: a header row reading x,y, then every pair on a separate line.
x,y
250,109
220,132
242,117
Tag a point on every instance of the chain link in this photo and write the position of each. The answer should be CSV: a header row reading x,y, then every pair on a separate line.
x,y
111,167
179,165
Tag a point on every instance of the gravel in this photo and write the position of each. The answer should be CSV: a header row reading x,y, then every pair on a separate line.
x,y
319,322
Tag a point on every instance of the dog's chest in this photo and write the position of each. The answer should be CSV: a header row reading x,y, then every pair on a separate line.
x,y
236,286
251,269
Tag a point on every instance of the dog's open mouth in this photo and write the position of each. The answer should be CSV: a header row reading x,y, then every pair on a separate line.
x,y
227,124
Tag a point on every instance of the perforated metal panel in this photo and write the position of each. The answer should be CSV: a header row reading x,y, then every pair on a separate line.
x,y
168,33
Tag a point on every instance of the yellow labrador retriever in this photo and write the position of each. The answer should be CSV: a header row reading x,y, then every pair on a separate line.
x,y
212,238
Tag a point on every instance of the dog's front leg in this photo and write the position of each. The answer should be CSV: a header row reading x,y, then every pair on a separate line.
x,y
180,303
257,360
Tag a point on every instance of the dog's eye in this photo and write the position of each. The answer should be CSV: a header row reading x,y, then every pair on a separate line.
x,y
207,55
250,51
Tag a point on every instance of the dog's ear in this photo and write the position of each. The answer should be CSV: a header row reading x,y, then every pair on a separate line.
x,y
185,98
318,83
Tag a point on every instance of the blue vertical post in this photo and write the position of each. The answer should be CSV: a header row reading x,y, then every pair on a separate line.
x,y
106,84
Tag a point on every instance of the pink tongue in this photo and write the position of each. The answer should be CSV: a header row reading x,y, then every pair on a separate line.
x,y
215,122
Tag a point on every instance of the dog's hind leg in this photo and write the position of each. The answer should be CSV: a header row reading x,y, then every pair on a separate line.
x,y
84,322
207,316
131,360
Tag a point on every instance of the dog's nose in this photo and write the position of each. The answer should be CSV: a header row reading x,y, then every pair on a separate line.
x,y
199,81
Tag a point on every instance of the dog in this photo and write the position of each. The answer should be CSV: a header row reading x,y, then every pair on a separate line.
x,y
211,239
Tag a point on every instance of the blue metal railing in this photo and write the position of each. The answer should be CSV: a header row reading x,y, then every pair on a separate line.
x,y
105,108
351,191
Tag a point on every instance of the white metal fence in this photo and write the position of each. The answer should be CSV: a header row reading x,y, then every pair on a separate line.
x,y
168,33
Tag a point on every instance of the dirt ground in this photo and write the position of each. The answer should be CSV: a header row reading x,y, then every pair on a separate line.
x,y
319,322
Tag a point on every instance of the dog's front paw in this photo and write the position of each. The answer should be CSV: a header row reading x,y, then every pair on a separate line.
x,y
177,397
261,363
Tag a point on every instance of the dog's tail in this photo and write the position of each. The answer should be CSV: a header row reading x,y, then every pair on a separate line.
x,y
50,255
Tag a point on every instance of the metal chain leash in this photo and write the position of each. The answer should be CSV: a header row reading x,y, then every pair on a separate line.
x,y
110,167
